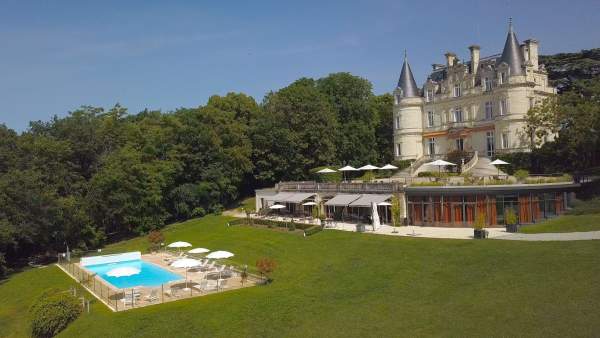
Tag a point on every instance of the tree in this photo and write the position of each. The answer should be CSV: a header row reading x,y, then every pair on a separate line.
x,y
381,107
266,266
350,97
156,238
397,212
295,133
542,121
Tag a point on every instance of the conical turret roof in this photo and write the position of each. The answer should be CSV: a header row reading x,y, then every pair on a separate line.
x,y
407,80
512,53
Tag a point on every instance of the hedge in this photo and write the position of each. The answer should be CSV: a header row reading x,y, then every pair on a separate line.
x,y
271,223
313,230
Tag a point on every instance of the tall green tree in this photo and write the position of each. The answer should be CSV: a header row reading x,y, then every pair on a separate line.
x,y
295,133
350,96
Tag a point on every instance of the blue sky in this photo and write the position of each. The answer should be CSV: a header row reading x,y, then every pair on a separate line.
x,y
58,55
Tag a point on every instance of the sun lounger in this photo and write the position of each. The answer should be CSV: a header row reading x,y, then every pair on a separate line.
x,y
153,296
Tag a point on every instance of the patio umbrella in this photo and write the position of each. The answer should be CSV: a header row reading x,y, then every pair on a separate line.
x,y
198,251
368,167
375,216
277,206
385,204
179,245
309,203
124,271
347,168
186,263
440,164
498,162
326,171
219,255
389,167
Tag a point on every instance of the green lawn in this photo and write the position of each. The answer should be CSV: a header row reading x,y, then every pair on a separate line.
x,y
585,216
565,223
247,204
355,285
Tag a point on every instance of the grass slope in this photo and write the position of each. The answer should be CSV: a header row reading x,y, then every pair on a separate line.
x,y
354,285
585,216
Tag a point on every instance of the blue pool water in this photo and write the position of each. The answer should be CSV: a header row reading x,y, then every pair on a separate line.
x,y
150,274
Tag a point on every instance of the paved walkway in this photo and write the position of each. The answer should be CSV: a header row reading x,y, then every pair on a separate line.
x,y
467,233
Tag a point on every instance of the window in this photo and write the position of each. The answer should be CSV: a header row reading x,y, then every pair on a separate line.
x,y
398,149
457,90
431,146
460,144
488,84
502,78
489,138
489,113
503,107
458,115
531,102
397,122
430,121
504,140
398,98
429,95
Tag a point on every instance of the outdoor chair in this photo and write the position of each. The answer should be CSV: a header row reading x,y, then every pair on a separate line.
x,y
222,284
202,286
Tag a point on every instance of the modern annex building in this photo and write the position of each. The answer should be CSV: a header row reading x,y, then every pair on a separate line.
x,y
477,105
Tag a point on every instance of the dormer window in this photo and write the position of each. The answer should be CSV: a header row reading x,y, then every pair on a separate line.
x,y
502,78
429,95
457,92
487,84
397,98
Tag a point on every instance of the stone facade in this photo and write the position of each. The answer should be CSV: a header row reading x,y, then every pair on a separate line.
x,y
477,105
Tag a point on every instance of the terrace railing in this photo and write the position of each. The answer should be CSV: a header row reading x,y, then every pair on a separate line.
x,y
346,187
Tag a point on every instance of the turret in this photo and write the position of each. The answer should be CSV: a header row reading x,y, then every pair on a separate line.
x,y
511,54
408,115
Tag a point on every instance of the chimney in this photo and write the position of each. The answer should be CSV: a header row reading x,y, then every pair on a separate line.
x,y
525,52
450,59
474,58
532,52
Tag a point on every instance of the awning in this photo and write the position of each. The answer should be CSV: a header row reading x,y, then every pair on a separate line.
x,y
299,197
342,200
290,197
279,197
366,200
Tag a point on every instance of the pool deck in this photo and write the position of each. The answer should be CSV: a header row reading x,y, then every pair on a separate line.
x,y
142,296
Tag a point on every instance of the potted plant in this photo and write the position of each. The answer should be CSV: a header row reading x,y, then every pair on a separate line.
x,y
510,221
478,227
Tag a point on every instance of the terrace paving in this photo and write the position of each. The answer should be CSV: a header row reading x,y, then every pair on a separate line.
x,y
467,233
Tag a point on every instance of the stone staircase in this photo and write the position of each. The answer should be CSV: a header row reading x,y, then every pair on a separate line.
x,y
484,168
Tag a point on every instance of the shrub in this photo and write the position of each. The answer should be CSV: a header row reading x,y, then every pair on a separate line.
x,y
402,164
312,230
266,266
155,237
479,221
198,212
426,174
3,267
239,221
427,184
52,312
511,217
521,174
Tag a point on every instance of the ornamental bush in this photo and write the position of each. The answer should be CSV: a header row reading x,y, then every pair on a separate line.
x,y
52,312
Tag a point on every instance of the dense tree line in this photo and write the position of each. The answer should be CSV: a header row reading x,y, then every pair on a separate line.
x,y
98,175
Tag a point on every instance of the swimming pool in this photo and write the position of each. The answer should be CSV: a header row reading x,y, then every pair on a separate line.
x,y
150,274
